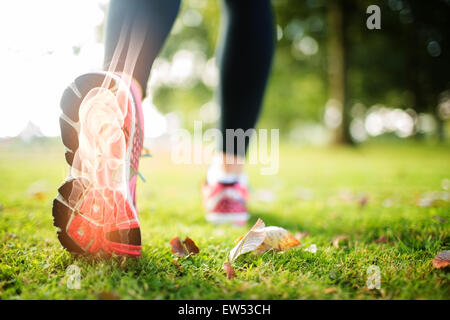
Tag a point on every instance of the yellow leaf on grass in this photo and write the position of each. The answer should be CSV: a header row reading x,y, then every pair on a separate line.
x,y
279,239
250,241
261,239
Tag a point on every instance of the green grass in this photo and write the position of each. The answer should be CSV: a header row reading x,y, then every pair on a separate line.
x,y
33,264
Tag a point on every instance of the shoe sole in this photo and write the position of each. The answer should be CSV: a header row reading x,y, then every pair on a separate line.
x,y
239,219
92,212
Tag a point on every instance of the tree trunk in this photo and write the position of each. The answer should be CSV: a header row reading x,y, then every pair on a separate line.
x,y
337,69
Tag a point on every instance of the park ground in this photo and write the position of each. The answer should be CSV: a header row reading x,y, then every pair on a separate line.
x,y
387,202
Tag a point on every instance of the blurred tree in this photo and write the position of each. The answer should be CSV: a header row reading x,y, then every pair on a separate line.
x,y
428,54
337,69
326,53
404,65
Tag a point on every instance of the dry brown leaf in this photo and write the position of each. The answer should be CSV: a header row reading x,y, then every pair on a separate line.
x,y
330,290
337,239
228,268
381,239
183,249
363,200
108,295
191,246
178,248
442,259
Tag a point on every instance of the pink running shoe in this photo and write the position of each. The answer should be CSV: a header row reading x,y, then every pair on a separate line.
x,y
225,203
102,130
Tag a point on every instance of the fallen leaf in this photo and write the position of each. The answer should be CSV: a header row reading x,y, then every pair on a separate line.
x,y
363,200
228,268
381,239
442,259
249,242
183,249
191,246
261,239
10,236
277,238
107,295
178,248
312,248
337,239
330,290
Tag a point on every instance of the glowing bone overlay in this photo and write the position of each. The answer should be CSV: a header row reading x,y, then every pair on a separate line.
x,y
95,211
102,144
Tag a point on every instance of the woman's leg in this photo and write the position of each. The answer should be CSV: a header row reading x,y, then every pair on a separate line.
x,y
138,28
245,56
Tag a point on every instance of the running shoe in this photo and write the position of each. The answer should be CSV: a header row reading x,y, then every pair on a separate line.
x,y
225,203
102,129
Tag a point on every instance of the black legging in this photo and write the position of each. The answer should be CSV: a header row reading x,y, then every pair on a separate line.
x,y
244,56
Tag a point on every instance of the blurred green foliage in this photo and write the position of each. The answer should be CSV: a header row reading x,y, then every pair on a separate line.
x,y
404,65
